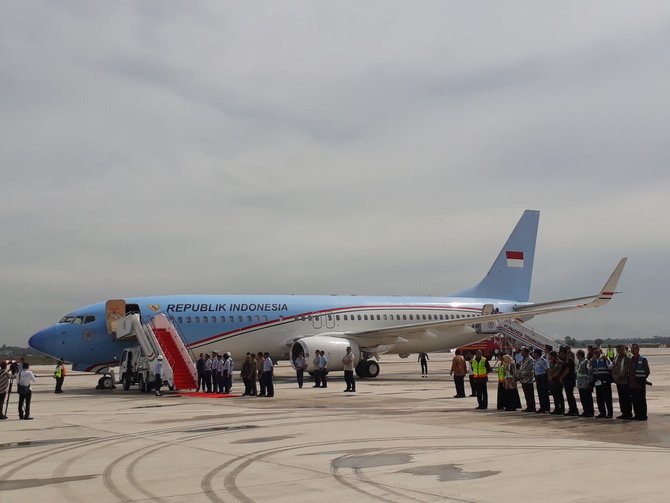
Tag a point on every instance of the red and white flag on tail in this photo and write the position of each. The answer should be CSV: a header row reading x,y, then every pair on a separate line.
x,y
514,258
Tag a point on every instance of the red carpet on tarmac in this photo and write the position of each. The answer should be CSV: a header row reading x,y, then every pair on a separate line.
x,y
200,394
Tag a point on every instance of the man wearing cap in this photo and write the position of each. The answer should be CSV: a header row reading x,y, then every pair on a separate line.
x,y
208,374
227,372
159,374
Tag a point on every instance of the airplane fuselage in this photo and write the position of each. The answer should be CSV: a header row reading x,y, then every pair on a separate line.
x,y
252,323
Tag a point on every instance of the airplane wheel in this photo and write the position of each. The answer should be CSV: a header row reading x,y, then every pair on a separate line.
x,y
362,369
372,368
106,382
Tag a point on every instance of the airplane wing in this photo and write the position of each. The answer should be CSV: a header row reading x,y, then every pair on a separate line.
x,y
402,333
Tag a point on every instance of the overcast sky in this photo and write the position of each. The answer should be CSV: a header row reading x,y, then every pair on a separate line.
x,y
332,147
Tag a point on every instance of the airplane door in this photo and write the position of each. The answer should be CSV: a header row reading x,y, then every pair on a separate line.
x,y
114,309
317,322
329,320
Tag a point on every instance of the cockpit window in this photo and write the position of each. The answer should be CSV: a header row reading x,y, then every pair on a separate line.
x,y
77,320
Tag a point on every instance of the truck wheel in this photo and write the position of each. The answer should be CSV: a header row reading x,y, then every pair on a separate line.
x,y
106,382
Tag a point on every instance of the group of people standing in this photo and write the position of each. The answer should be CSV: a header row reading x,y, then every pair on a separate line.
x,y
320,372
215,373
556,374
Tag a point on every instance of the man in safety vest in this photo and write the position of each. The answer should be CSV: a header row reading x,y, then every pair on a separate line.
x,y
59,375
480,370
637,383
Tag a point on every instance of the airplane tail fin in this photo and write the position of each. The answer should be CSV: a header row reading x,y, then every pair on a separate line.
x,y
510,275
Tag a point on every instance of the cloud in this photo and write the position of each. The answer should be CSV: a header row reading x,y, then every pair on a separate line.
x,y
310,147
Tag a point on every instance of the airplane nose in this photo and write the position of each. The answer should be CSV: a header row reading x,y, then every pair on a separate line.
x,y
42,340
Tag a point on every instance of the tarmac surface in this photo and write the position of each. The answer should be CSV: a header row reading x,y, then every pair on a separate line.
x,y
399,438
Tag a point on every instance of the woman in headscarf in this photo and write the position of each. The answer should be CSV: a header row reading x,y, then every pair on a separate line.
x,y
511,401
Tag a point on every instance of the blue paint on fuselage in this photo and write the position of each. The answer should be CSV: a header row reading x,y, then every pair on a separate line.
x,y
243,323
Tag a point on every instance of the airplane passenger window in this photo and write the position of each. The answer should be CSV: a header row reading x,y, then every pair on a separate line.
x,y
441,316
404,316
89,319
232,319
379,317
188,319
365,316
258,318
397,317
330,317
411,316
241,318
180,319
452,316
346,317
248,319
205,319
359,317
265,318
423,316
384,317
337,317
197,319
223,319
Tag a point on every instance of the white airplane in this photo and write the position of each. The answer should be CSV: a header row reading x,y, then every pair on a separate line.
x,y
285,325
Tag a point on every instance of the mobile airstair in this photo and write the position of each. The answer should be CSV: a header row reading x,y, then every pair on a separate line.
x,y
516,334
160,337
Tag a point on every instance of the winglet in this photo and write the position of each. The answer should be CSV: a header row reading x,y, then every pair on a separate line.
x,y
609,289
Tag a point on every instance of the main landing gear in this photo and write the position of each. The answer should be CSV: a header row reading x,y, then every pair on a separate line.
x,y
367,368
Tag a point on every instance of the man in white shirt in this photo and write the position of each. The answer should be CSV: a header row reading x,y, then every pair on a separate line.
x,y
23,381
227,371
159,375
323,369
268,372
348,362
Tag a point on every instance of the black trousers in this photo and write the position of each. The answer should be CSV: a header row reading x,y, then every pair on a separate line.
x,y
208,381
639,401
482,393
586,397
24,404
317,378
2,404
324,378
424,367
459,382
604,399
625,403
472,384
59,384
569,388
529,395
557,392
542,382
201,381
300,376
349,379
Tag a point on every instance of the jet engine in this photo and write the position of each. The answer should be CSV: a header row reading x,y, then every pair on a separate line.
x,y
334,347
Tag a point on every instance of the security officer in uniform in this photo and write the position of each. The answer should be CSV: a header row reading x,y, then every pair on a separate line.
x,y
637,383
602,369
480,370
59,375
